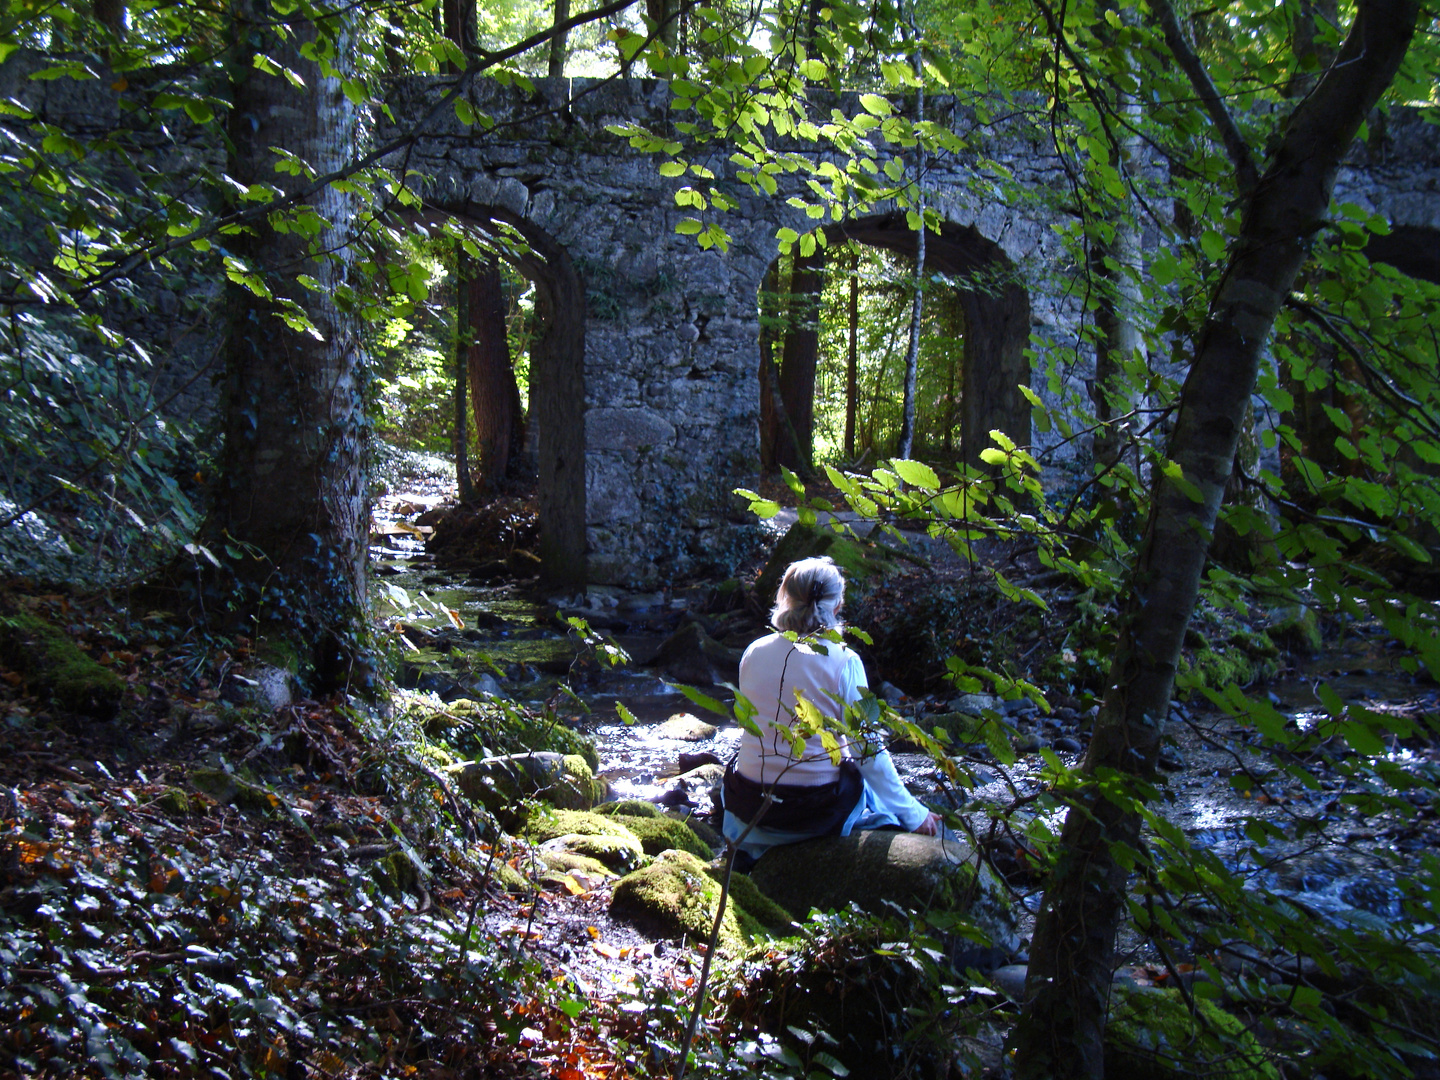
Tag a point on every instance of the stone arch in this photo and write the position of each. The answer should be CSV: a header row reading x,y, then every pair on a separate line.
x,y
997,322
557,385
996,310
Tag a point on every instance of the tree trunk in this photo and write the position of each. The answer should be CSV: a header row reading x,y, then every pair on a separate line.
x,y
556,68
797,367
292,494
460,432
852,365
1114,265
912,355
1060,1033
666,16
460,26
495,396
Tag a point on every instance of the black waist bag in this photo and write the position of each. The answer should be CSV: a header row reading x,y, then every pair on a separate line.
x,y
819,809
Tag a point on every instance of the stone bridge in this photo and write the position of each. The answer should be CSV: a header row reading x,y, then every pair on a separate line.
x,y
644,383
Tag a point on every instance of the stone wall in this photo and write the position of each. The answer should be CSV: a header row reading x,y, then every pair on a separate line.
x,y
670,402
670,408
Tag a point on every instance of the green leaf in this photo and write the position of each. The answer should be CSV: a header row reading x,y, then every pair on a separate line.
x,y
876,105
672,168
916,473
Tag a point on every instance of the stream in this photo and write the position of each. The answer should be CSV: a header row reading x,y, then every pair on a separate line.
x,y
509,643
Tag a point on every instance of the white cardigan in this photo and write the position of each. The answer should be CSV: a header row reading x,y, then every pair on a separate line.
x,y
829,680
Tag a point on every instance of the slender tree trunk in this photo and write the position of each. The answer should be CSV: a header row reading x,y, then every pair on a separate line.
x,y
797,368
912,355
499,422
556,68
666,16
460,432
852,364
1060,1033
460,24
950,403
1115,265
292,491
771,315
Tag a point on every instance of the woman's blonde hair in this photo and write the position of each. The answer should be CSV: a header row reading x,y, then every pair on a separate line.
x,y
809,596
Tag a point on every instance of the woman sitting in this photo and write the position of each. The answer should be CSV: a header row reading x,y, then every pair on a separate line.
x,y
813,795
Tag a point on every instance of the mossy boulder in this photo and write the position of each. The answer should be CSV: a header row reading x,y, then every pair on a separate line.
x,y
607,840
659,834
863,564
622,854
1296,628
873,869
677,894
1153,1036
687,727
173,801
567,862
394,873
658,831
511,880
500,729
548,824
498,783
53,664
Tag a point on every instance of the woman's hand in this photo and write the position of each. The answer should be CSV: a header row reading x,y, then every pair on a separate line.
x,y
930,826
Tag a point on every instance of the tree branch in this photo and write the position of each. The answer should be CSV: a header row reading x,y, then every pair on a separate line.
x,y
1246,174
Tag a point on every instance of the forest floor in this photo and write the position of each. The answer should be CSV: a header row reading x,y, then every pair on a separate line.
x,y
198,882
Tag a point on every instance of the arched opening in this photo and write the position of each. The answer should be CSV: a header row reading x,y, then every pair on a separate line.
x,y
555,414
976,330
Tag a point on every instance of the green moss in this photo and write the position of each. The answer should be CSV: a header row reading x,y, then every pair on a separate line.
x,y
394,873
654,831
1234,666
605,839
54,664
1152,1036
173,801
676,895
661,833
747,894
1254,643
577,787
548,824
512,880
619,853
500,784
565,861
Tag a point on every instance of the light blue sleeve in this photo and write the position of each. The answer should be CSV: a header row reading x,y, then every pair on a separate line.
x,y
879,773
879,770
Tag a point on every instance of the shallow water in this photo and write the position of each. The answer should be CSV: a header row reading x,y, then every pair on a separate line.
x,y
519,637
